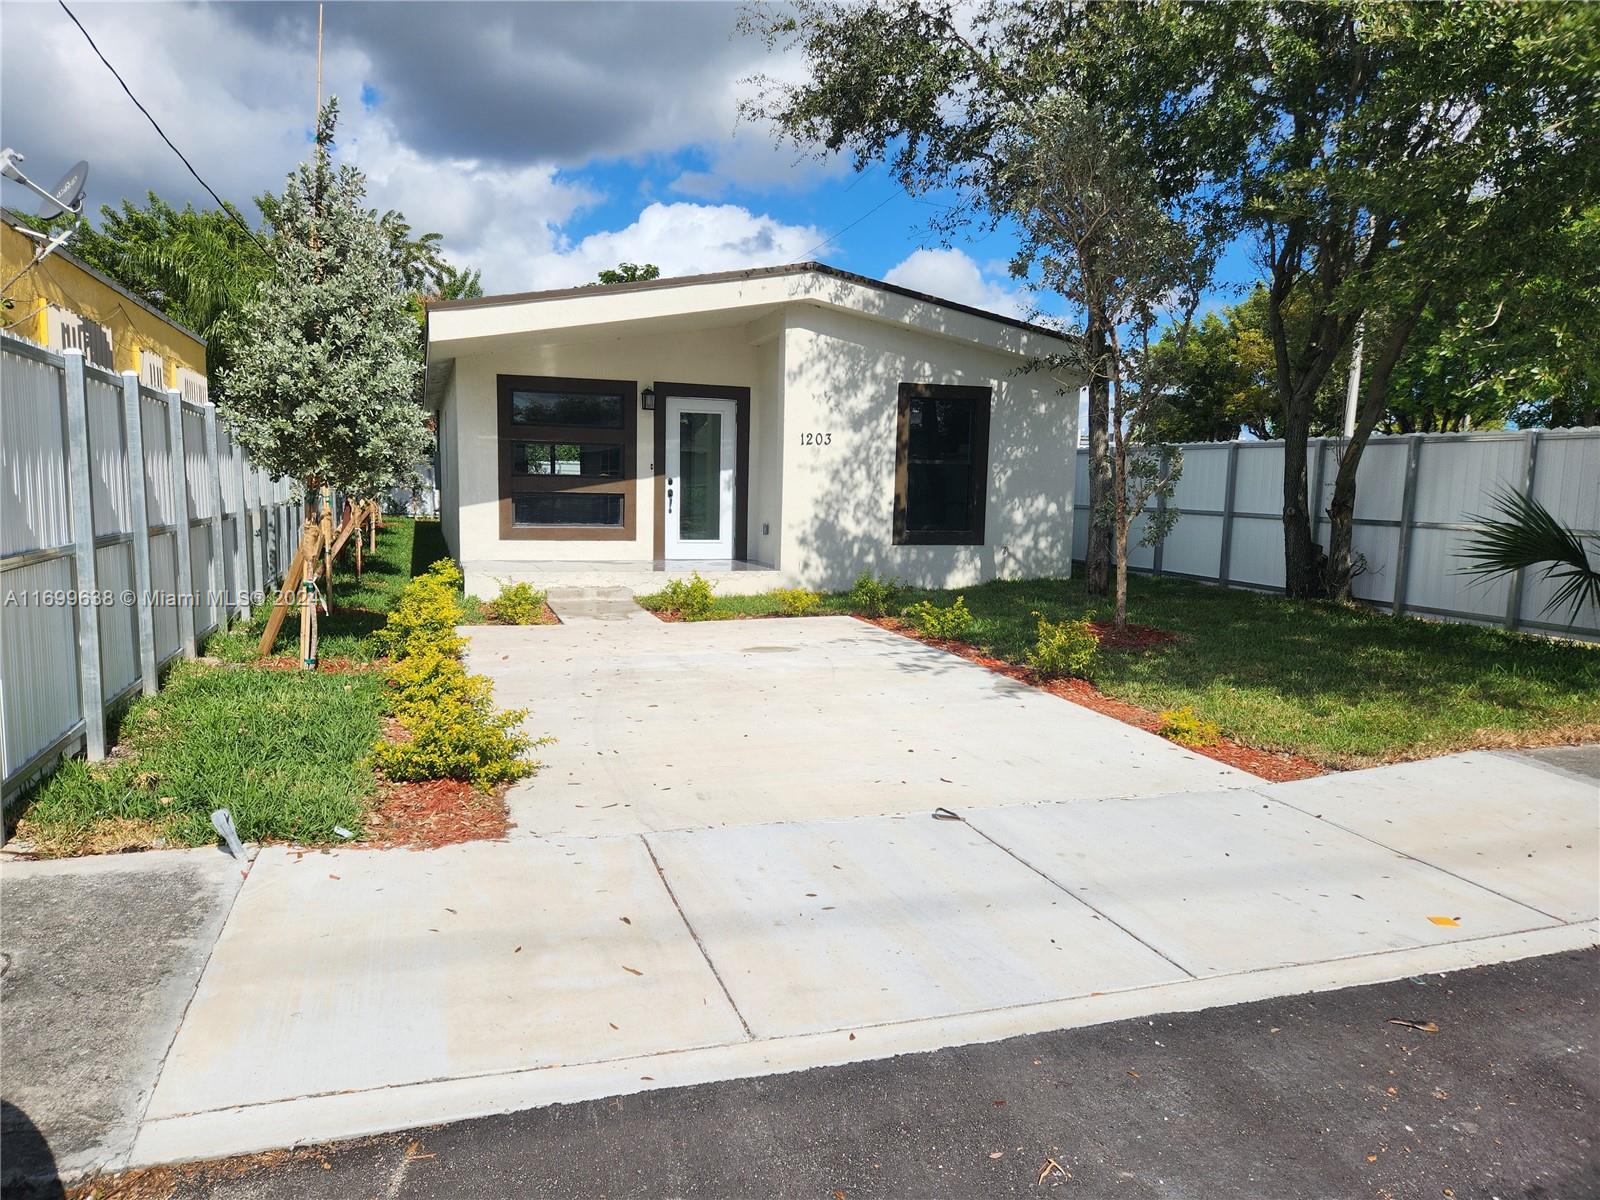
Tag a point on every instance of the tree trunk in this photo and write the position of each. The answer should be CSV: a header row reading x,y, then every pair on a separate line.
x,y
1340,568
1303,559
1098,557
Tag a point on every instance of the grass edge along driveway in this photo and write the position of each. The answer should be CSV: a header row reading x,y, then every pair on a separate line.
x,y
1343,685
286,750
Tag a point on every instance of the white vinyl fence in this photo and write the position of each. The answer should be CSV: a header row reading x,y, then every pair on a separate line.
x,y
1416,497
131,527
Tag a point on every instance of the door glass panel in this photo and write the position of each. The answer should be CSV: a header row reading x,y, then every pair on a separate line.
x,y
699,476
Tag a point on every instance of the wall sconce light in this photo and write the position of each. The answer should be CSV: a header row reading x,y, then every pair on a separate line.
x,y
648,399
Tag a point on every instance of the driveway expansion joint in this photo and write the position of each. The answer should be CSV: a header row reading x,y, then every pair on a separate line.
x,y
695,934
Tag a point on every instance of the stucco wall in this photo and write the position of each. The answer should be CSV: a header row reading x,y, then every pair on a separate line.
x,y
722,356
450,469
842,375
61,282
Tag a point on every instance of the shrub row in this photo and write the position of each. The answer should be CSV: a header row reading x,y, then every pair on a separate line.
x,y
450,726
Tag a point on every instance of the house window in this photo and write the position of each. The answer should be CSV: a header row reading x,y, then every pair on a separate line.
x,y
941,470
567,451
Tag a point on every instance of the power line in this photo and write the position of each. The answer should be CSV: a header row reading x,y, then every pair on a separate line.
x,y
839,232
221,203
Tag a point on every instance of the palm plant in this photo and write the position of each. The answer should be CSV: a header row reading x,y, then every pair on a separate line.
x,y
1525,534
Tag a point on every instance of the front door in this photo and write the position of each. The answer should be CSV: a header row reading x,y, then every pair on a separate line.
x,y
702,457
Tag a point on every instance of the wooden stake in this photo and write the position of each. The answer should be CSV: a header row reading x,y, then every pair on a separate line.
x,y
291,585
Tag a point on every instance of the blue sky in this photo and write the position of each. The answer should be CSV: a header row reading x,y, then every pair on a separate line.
x,y
543,141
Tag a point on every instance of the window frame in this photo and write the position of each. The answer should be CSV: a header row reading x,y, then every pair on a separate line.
x,y
513,484
981,399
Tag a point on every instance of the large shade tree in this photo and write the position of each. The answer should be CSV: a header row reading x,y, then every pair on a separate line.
x,y
324,381
935,91
1384,158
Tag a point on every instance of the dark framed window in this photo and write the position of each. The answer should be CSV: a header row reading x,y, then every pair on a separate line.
x,y
941,465
567,450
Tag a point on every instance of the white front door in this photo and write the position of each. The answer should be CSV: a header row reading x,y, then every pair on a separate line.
x,y
701,460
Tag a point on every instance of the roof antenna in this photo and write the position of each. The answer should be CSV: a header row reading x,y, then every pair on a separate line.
x,y
65,197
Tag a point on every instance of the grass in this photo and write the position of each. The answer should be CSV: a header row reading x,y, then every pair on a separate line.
x,y
358,608
282,749
1344,686
285,750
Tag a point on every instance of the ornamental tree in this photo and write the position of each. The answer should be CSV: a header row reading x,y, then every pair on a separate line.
x,y
323,384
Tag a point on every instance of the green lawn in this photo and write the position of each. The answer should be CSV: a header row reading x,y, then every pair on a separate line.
x,y
285,750
1344,686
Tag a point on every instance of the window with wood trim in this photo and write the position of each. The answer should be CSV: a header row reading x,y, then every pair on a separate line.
x,y
941,467
567,450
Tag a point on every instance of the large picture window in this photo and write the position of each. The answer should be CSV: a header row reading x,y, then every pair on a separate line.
x,y
941,469
566,457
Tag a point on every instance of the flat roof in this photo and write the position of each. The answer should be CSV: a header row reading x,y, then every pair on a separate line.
x,y
11,219
800,268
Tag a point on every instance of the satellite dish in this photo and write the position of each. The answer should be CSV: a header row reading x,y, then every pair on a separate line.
x,y
67,196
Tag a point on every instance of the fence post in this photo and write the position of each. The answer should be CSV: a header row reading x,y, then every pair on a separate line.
x,y
180,503
241,530
1408,506
1161,512
1227,513
144,586
219,556
86,612
1530,460
1319,447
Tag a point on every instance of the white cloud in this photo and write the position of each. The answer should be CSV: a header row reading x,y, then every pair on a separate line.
x,y
952,274
681,239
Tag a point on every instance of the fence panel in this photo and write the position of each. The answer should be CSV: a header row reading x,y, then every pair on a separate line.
x,y
64,420
1416,500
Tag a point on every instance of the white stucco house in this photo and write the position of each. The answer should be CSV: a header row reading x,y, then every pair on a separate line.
x,y
794,425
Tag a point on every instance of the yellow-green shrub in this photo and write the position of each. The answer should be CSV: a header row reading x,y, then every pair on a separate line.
x,y
796,602
450,727
425,616
950,622
1189,728
689,598
1064,648
457,735
875,596
518,604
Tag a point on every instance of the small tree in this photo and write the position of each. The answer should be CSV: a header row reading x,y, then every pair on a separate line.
x,y
323,384
630,273
1083,194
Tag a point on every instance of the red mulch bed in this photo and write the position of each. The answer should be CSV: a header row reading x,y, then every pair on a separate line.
x,y
1273,766
337,665
548,617
438,812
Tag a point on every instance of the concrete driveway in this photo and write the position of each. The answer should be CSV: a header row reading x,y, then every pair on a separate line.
x,y
684,726
731,867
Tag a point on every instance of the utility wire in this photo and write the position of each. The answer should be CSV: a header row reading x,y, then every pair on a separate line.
x,y
840,232
221,203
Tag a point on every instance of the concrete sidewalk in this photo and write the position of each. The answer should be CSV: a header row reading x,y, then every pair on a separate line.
x,y
359,991
101,958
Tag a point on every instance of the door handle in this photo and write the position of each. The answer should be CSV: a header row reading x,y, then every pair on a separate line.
x,y
669,495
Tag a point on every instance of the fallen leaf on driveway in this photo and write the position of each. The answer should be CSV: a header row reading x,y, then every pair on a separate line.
x,y
1444,920
1419,1026
997,1154
1051,1167
631,970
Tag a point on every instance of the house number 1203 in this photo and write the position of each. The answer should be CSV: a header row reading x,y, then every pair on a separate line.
x,y
816,439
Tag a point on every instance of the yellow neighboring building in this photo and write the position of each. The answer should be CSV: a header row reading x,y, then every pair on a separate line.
x,y
64,303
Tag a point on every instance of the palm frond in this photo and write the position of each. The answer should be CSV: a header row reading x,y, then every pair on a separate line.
x,y
1525,534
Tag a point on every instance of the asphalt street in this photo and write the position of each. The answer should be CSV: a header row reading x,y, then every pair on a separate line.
x,y
1336,1095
